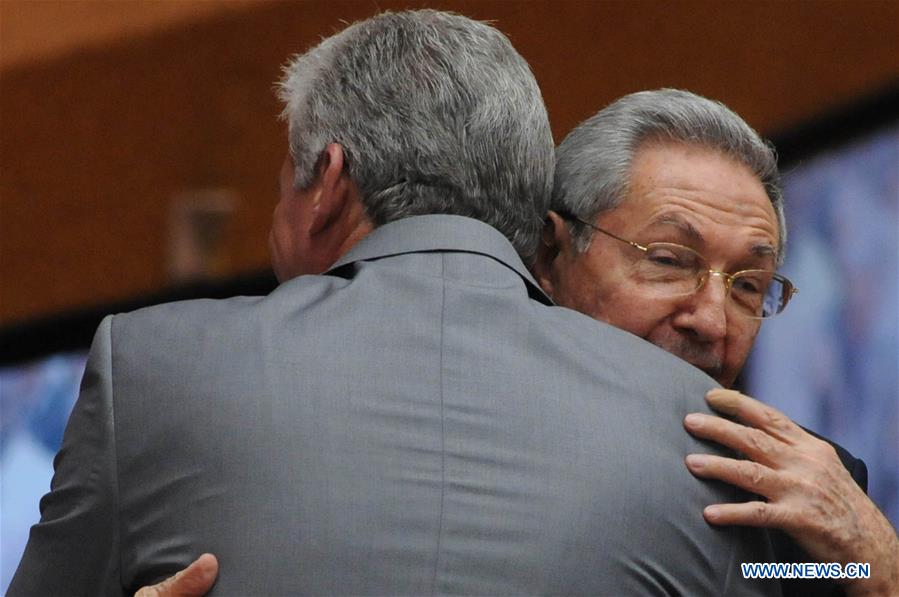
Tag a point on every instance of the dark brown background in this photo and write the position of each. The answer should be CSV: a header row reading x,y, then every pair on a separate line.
x,y
96,138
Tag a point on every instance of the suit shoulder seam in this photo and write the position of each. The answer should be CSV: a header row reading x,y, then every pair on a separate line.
x,y
442,429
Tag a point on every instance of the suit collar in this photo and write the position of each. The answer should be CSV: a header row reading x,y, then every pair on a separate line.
x,y
442,232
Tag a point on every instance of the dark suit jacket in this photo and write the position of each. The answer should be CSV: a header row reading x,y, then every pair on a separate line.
x,y
420,420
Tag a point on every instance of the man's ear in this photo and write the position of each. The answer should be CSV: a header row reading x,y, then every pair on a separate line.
x,y
333,190
553,239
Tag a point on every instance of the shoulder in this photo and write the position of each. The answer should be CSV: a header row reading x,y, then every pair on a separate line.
x,y
180,313
191,315
623,354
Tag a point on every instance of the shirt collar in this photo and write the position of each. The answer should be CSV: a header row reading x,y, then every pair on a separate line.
x,y
441,232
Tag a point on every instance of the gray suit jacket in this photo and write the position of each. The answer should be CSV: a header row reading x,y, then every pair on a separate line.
x,y
420,420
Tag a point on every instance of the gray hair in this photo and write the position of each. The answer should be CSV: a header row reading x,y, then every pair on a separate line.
x,y
593,162
436,113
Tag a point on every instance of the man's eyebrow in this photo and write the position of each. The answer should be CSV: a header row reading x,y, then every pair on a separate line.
x,y
681,224
764,251
761,250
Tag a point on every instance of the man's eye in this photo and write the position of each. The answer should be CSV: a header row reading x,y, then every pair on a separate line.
x,y
666,258
748,285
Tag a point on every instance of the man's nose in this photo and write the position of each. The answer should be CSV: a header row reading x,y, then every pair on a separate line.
x,y
704,312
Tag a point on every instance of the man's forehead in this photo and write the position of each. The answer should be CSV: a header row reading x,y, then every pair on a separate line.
x,y
697,192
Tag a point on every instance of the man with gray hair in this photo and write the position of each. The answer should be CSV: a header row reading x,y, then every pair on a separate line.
x,y
667,221
418,419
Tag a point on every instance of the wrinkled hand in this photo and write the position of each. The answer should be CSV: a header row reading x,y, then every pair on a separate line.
x,y
809,492
193,581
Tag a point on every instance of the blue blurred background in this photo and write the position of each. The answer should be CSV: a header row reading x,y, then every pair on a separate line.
x,y
831,360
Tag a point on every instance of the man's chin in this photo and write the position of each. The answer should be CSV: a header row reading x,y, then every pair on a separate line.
x,y
716,373
715,370
699,358
725,378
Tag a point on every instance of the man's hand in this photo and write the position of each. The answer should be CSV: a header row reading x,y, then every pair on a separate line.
x,y
810,494
193,581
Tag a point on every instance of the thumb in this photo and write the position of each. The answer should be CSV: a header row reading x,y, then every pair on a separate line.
x,y
193,581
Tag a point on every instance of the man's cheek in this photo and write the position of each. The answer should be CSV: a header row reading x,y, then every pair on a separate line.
x,y
646,320
739,345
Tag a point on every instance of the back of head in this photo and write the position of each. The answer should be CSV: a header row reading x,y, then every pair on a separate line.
x,y
437,114
593,162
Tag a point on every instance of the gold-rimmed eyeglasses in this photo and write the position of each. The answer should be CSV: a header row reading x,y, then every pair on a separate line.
x,y
670,270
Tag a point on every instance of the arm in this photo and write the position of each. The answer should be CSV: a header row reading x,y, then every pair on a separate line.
x,y
810,495
73,550
193,581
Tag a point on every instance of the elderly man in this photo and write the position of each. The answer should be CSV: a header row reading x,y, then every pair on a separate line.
x,y
668,223
418,420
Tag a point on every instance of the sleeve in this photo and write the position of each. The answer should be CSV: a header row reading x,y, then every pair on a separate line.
x,y
859,472
856,467
74,549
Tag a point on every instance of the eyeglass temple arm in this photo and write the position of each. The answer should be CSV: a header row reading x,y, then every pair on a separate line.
x,y
567,215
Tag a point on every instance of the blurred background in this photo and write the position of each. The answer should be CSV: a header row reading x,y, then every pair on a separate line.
x,y
140,145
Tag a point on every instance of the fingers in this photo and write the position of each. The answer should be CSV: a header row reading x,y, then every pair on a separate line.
x,y
754,443
198,578
194,581
809,492
755,414
751,476
751,514
766,432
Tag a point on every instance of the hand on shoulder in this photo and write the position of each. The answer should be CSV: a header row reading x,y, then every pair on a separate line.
x,y
809,493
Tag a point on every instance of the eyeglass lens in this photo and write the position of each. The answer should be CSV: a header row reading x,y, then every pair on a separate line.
x,y
674,270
